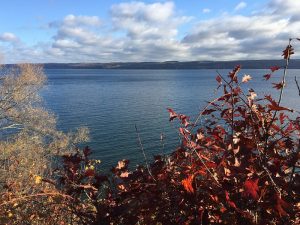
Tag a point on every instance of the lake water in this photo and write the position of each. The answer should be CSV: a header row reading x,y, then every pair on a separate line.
x,y
111,102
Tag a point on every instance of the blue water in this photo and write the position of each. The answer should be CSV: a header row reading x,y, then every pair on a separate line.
x,y
111,102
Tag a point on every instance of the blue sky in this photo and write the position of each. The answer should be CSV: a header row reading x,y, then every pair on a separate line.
x,y
109,31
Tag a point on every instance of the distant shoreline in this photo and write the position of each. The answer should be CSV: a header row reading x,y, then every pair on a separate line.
x,y
246,64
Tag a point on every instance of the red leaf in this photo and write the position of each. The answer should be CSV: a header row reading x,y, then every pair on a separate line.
x,y
187,184
289,128
287,52
282,116
233,73
208,111
184,132
231,203
89,172
251,188
278,86
211,164
281,206
270,99
274,68
275,127
184,120
173,115
267,76
219,79
276,107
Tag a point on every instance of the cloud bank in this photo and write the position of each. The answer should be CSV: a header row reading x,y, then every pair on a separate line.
x,y
137,31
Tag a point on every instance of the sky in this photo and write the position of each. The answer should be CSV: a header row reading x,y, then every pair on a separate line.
x,y
69,31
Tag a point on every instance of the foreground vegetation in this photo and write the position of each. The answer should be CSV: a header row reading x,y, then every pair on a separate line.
x,y
238,163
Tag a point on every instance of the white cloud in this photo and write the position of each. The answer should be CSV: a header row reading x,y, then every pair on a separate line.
x,y
240,6
156,12
153,21
75,21
72,20
206,10
9,37
138,31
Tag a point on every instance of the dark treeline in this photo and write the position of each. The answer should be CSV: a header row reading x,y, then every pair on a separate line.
x,y
247,64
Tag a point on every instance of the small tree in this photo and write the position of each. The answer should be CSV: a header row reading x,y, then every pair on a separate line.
x,y
29,144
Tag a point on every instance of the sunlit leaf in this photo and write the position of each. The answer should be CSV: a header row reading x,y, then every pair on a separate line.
x,y
246,78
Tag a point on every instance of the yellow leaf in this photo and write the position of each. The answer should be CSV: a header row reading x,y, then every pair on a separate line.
x,y
38,179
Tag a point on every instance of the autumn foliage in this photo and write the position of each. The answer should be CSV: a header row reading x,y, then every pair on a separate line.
x,y
238,163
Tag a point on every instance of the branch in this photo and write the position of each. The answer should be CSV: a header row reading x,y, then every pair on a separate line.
x,y
35,195
12,126
143,151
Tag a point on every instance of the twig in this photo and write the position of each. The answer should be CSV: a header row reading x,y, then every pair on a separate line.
x,y
281,90
297,85
162,141
207,169
273,182
143,151
294,169
201,113
287,59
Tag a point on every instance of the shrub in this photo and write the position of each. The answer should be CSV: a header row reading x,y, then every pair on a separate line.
x,y
29,145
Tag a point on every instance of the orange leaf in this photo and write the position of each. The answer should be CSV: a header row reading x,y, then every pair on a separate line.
x,y
187,184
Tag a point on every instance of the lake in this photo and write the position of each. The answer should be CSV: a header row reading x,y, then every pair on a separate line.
x,y
111,102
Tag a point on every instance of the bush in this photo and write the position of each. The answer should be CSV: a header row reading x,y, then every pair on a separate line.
x,y
29,145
